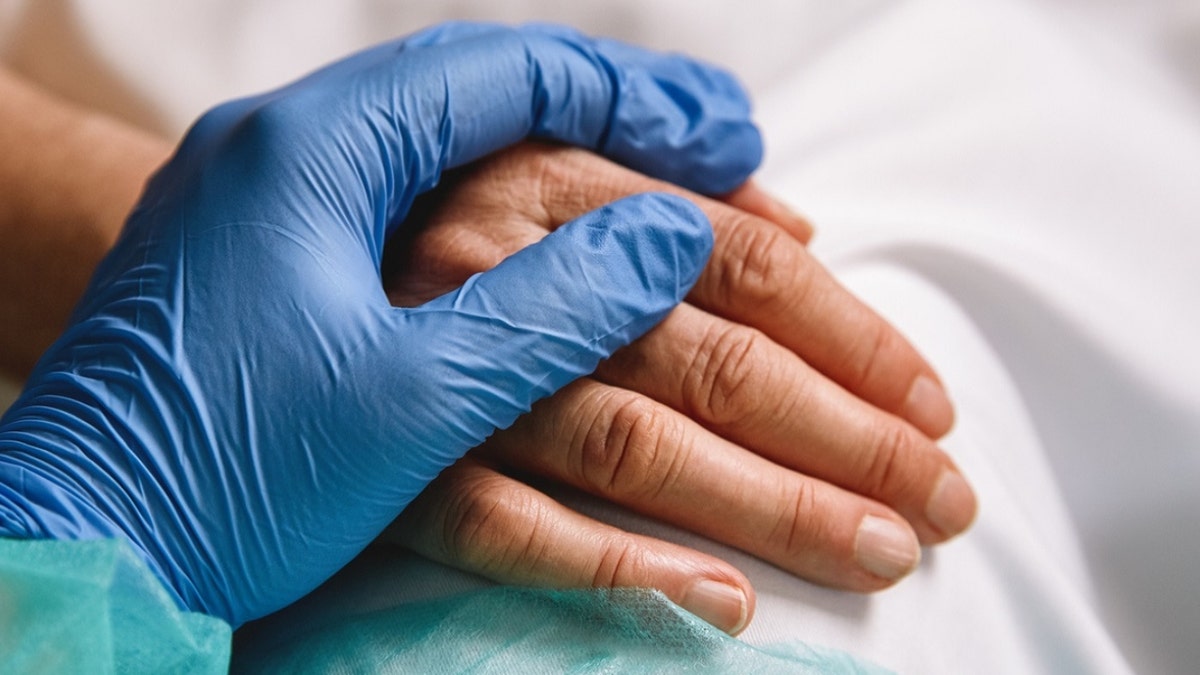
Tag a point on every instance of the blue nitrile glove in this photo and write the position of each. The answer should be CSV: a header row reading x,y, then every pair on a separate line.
x,y
236,396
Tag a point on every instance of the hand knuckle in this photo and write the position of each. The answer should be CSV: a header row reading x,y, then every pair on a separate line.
x,y
869,354
617,565
278,119
630,449
884,463
759,266
725,364
478,528
267,130
799,526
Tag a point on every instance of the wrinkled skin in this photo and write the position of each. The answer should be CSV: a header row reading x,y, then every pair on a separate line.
x,y
771,411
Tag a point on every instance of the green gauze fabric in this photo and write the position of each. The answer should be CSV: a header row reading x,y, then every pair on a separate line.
x,y
94,607
528,632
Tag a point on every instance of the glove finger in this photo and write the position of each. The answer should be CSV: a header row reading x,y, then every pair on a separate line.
x,y
360,139
461,91
665,115
697,115
538,320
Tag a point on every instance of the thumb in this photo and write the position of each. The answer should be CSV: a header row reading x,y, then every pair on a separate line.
x,y
541,318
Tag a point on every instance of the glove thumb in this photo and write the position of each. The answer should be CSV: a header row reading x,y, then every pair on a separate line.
x,y
542,318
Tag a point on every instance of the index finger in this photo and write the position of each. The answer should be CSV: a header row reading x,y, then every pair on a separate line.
x,y
377,129
665,115
762,276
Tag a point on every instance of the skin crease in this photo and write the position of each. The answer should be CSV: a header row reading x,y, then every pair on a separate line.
x,y
69,176
720,420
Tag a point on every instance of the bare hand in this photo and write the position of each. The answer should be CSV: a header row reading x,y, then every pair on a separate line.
x,y
773,412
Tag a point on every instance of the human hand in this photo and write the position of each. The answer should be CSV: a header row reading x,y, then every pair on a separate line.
x,y
773,412
68,178
236,396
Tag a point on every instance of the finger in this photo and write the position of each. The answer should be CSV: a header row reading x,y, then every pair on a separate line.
x,y
751,198
747,388
481,521
631,450
393,118
541,318
761,277
744,386
661,114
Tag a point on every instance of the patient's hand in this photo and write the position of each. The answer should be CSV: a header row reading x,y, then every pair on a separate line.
x,y
773,412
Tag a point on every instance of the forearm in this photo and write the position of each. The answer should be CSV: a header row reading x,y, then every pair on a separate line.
x,y
68,177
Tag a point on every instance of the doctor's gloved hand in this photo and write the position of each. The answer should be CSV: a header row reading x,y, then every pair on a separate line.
x,y
236,396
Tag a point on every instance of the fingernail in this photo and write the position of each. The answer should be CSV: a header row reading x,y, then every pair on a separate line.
x,y
952,505
722,605
885,548
928,407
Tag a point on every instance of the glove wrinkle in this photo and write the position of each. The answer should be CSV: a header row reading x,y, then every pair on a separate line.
x,y
234,395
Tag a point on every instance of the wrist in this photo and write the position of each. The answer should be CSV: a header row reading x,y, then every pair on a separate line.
x,y
35,504
67,473
40,499
119,160
68,178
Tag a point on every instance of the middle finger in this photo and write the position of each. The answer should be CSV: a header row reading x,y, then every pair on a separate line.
x,y
626,448
748,389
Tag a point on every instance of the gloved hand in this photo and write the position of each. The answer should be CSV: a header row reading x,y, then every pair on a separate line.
x,y
236,396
